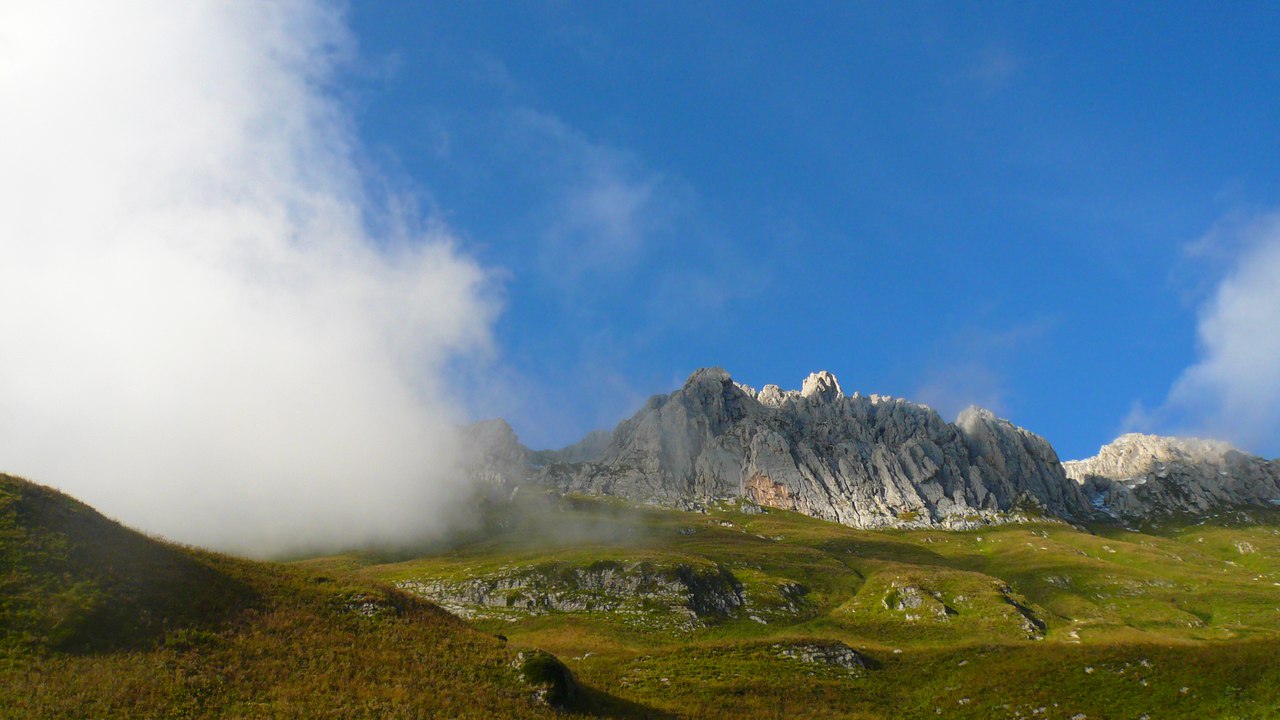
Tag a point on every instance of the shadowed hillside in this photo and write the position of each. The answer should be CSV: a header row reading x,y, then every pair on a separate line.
x,y
100,621
74,580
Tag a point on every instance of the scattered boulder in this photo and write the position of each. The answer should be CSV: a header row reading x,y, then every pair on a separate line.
x,y
915,602
828,652
552,682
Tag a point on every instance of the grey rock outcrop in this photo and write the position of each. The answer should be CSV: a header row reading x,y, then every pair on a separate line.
x,y
866,461
1143,475
693,593
494,458
828,652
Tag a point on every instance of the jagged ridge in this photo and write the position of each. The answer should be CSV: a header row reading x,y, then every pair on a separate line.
x,y
870,461
866,461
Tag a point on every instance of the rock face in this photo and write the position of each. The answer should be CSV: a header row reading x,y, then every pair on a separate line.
x,y
495,458
1143,475
866,461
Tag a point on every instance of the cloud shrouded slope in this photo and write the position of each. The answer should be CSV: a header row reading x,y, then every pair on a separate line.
x,y
200,335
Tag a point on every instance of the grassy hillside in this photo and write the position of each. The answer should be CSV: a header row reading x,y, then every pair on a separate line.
x,y
730,614
658,613
97,621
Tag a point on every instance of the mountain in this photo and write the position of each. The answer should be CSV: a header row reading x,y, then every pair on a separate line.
x,y
865,461
869,461
1144,475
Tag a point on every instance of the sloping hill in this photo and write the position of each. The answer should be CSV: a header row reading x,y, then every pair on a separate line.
x,y
74,580
99,621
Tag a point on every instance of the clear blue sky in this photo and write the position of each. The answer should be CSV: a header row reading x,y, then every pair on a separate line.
x,y
1030,206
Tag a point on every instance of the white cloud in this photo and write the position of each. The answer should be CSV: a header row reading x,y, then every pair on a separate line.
x,y
1233,391
973,365
201,337
952,388
605,213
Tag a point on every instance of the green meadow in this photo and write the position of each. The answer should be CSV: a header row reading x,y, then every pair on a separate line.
x,y
657,613
1043,620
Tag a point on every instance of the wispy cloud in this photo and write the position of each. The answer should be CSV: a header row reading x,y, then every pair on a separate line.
x,y
605,210
203,337
992,69
1233,391
956,386
973,366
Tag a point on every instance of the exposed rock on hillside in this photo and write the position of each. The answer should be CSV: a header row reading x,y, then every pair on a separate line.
x,y
830,653
1141,475
867,461
552,682
684,594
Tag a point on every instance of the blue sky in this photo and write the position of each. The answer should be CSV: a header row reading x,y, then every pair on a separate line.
x,y
1026,206
258,261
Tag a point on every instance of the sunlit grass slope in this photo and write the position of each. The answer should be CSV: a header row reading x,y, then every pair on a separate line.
x,y
98,621
1018,621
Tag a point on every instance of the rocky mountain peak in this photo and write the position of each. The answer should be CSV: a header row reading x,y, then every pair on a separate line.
x,y
821,385
707,376
974,415
1138,475
1138,448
